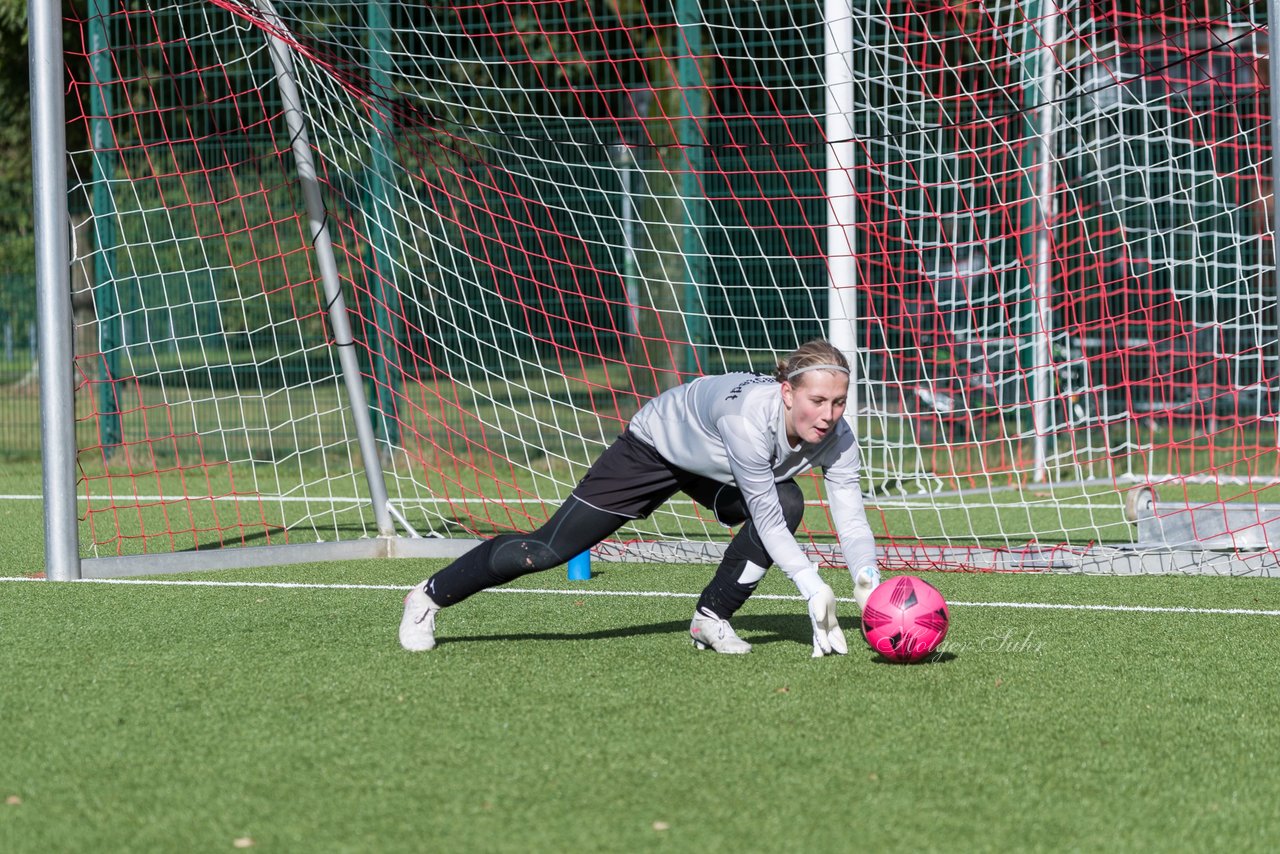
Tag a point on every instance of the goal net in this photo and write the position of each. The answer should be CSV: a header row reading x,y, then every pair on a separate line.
x,y
353,272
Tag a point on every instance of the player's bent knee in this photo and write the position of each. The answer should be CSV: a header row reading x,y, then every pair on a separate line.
x,y
751,575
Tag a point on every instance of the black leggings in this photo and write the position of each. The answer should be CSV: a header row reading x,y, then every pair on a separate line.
x,y
573,529
734,581
577,526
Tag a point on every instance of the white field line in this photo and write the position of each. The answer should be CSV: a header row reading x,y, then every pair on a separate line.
x,y
660,594
295,499
480,499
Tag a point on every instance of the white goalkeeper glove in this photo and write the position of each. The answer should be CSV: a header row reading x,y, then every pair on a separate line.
x,y
828,639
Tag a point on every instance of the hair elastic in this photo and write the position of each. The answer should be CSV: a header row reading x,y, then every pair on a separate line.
x,y
840,369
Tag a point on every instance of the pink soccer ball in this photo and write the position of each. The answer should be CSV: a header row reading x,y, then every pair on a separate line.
x,y
905,618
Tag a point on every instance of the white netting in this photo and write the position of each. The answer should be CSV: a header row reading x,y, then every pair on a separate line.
x,y
543,213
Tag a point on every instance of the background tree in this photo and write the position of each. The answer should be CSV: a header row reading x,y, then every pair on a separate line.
x,y
15,142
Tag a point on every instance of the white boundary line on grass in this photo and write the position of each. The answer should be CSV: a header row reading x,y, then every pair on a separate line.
x,y
302,585
299,499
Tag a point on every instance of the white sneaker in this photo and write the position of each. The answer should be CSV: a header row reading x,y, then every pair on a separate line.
x,y
418,625
867,579
708,630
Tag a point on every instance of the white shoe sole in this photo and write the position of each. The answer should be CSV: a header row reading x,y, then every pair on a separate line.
x,y
697,644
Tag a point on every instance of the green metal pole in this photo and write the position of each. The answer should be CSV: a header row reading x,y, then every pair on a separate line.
x,y
624,161
693,103
106,303
1039,79
378,204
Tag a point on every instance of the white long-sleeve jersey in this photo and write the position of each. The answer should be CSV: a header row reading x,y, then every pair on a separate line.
x,y
731,428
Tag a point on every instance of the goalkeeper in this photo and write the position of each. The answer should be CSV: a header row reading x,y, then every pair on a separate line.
x,y
732,442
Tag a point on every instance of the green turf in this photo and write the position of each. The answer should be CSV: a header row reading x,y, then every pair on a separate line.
x,y
144,718
155,718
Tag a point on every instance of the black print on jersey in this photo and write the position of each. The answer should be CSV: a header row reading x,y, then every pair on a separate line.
x,y
755,380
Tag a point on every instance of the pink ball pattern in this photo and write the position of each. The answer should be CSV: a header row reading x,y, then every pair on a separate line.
x,y
905,618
